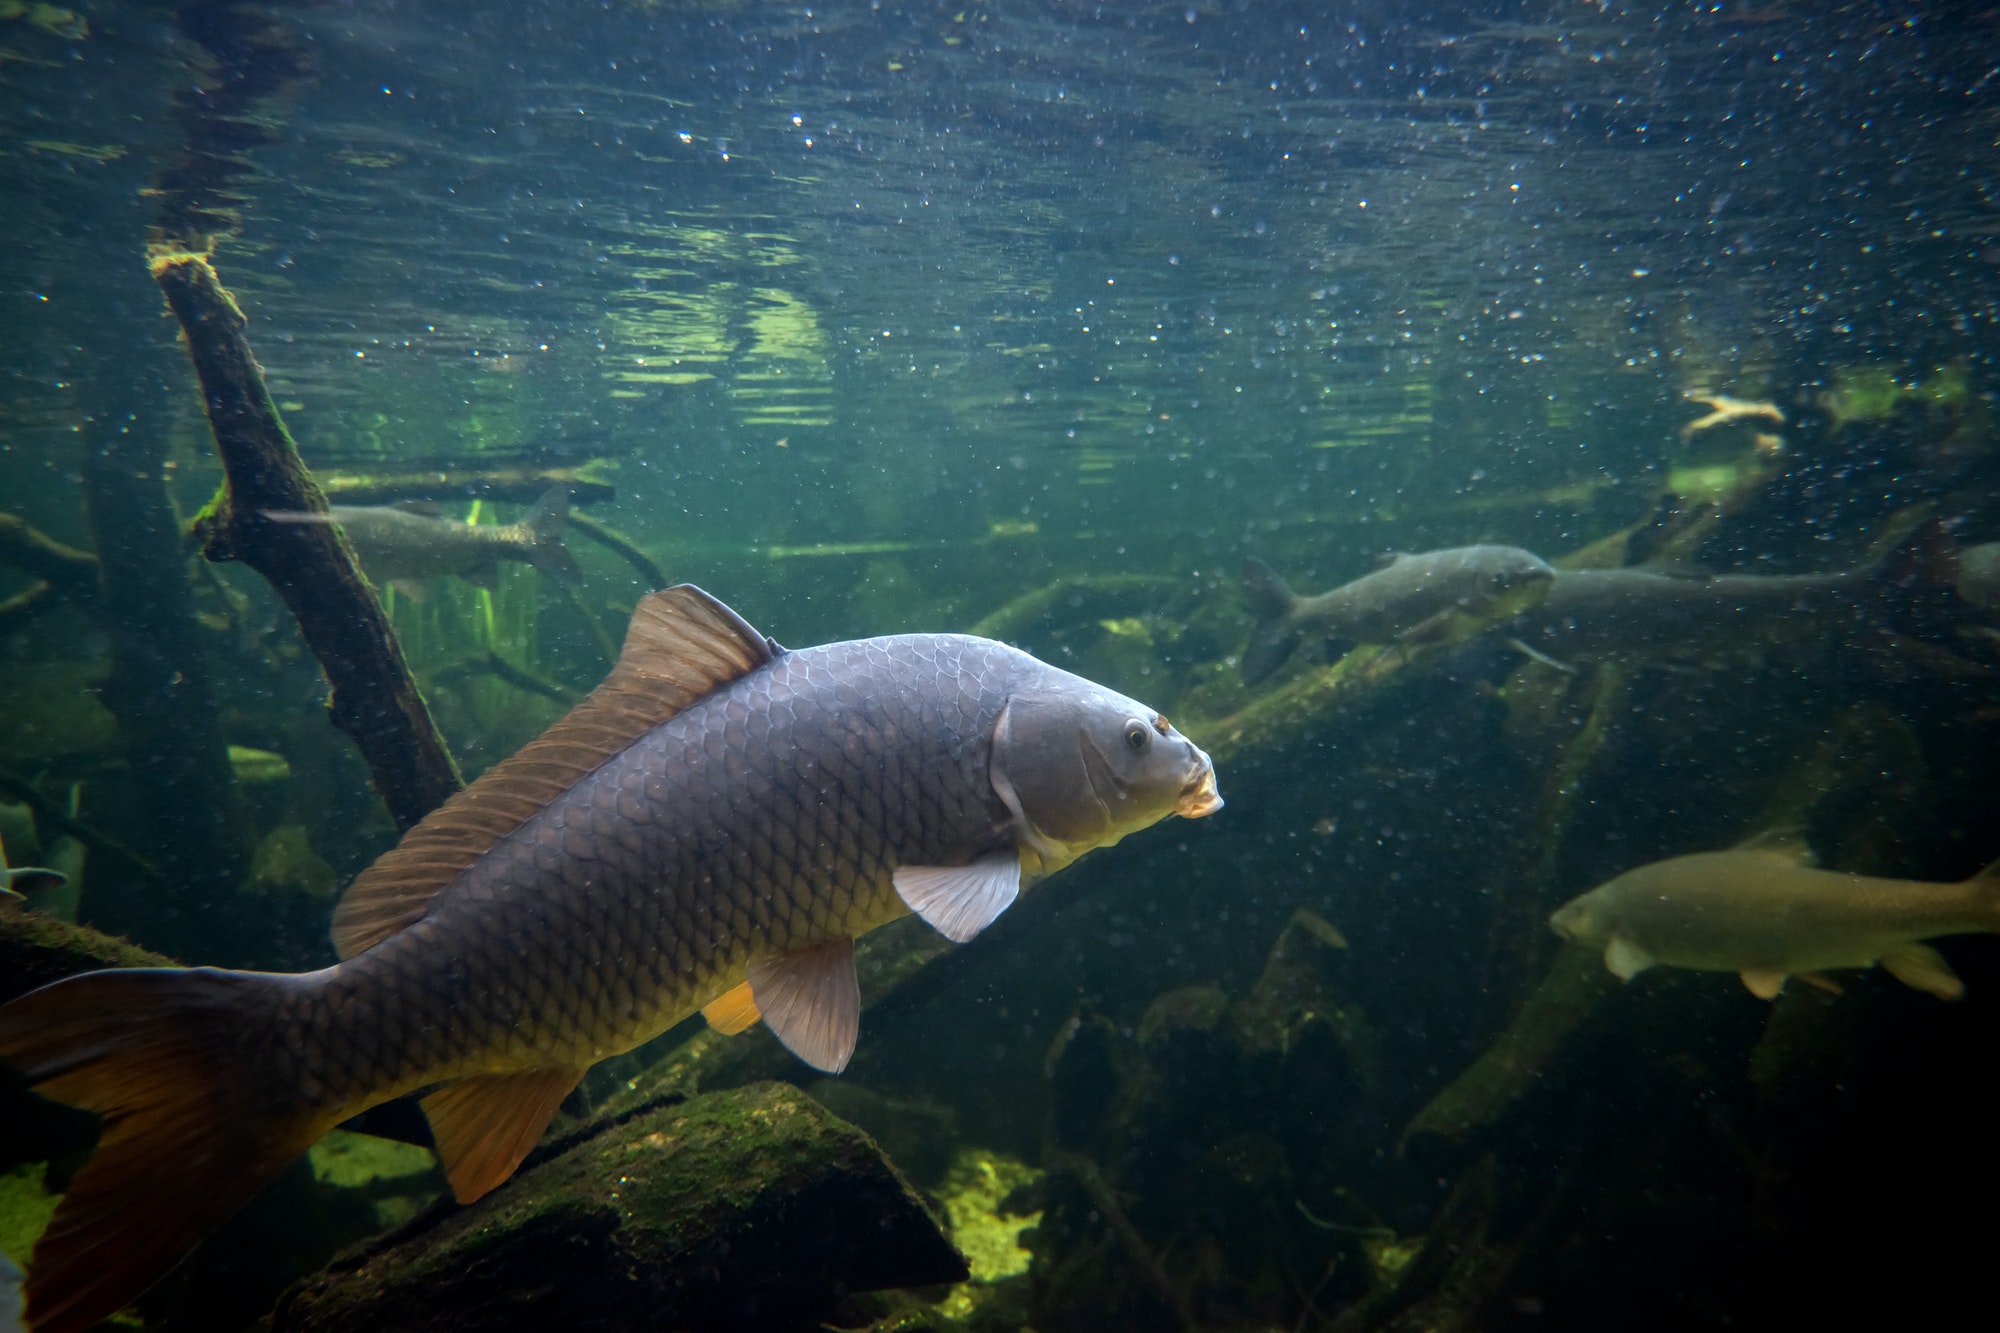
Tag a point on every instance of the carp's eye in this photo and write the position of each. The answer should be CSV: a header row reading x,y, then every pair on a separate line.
x,y
1137,735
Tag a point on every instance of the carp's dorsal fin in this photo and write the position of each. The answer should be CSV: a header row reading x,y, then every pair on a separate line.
x,y
421,508
961,901
811,1000
484,1125
1786,840
732,1011
682,645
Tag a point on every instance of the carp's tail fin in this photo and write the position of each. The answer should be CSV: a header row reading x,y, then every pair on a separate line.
x,y
1275,634
1985,888
192,1125
544,527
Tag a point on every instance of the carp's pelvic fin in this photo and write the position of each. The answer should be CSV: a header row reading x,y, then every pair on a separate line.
x,y
811,1000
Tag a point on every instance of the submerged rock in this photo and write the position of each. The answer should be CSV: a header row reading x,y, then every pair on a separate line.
x,y
746,1209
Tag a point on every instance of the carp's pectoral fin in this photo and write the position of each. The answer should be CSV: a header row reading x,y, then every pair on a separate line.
x,y
811,1001
1431,629
1924,968
484,1125
961,901
1763,982
732,1011
1821,981
1626,959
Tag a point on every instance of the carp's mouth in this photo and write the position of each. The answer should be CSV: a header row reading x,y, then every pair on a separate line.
x,y
1199,797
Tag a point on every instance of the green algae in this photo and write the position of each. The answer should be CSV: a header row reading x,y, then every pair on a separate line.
x,y
974,1194
25,1208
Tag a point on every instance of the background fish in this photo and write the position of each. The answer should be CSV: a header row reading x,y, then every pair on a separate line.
x,y
1760,912
406,544
17,882
1594,614
711,828
1978,579
1437,596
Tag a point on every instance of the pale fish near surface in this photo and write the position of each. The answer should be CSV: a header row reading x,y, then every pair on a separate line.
x,y
405,544
1760,911
709,830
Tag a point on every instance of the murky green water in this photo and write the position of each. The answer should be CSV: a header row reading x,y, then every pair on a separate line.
x,y
881,318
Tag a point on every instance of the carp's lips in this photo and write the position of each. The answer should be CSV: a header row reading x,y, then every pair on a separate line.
x,y
1199,797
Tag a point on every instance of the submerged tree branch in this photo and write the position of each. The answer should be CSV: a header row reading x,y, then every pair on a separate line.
x,y
62,568
310,565
518,483
613,540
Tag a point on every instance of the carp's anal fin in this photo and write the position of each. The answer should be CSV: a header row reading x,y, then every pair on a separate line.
x,y
484,1125
682,646
1923,968
1626,959
732,1011
961,901
811,1000
1763,982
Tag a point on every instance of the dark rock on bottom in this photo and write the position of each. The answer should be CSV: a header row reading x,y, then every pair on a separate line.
x,y
747,1209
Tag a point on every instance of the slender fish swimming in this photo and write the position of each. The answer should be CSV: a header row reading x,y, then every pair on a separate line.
x,y
1430,597
710,829
406,544
1764,913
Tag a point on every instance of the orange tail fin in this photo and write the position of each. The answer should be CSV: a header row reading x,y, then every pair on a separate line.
x,y
191,1130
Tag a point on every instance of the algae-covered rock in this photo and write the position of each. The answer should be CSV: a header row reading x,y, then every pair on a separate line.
x,y
36,948
752,1208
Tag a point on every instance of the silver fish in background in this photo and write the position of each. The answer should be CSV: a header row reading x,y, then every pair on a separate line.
x,y
1766,915
1433,597
403,545
1978,581
709,830
1591,615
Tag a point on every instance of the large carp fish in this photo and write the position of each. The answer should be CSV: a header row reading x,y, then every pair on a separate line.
x,y
709,830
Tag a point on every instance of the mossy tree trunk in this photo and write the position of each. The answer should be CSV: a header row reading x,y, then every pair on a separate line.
x,y
191,820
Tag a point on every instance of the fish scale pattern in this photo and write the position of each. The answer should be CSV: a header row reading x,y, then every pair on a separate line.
x,y
765,818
